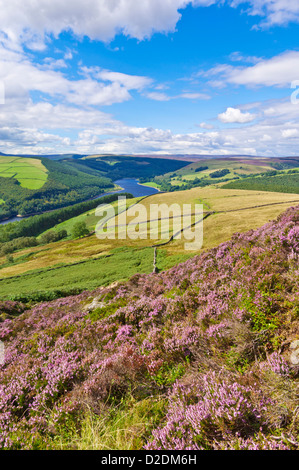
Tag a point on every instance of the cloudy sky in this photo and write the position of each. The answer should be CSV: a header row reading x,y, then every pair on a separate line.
x,y
149,76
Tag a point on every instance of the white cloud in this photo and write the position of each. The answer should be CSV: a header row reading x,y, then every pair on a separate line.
x,y
234,115
97,88
280,112
289,133
275,12
266,138
130,82
194,96
93,131
78,124
158,96
30,22
204,125
56,128
238,57
278,71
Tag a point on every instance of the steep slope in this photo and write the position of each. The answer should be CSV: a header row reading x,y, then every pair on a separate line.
x,y
62,185
215,339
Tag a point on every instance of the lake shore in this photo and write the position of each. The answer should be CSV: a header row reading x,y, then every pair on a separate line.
x,y
128,185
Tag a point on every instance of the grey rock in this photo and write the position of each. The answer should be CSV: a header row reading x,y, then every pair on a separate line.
x,y
94,305
294,357
295,344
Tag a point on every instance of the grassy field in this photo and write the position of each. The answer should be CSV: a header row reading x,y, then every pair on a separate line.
x,y
30,172
88,217
151,185
118,265
89,262
235,211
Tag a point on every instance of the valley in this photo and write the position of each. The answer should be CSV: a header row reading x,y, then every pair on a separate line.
x,y
74,265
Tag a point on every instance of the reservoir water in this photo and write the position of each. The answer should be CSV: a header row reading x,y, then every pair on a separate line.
x,y
129,185
133,187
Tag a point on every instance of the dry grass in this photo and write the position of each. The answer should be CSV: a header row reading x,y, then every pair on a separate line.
x,y
241,215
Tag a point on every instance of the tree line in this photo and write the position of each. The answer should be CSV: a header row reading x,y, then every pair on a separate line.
x,y
65,185
35,225
286,183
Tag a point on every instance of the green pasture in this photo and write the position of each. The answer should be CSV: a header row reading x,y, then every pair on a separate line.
x,y
89,217
30,172
119,265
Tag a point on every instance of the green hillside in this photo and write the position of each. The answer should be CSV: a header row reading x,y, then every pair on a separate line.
x,y
282,183
122,166
29,172
42,184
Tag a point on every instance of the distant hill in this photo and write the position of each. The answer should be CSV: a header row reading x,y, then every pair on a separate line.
x,y
72,178
51,156
123,166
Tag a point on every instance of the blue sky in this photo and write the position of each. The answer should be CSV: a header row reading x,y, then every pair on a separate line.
x,y
153,76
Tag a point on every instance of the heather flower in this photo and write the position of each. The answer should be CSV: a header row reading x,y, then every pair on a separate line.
x,y
58,356
277,364
206,413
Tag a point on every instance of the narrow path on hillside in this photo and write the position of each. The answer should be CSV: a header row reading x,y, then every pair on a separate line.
x,y
207,214
256,207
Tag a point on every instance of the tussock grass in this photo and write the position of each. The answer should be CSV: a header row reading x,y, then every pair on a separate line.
x,y
124,427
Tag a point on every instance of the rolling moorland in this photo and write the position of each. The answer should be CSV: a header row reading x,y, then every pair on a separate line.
x,y
103,353
202,356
